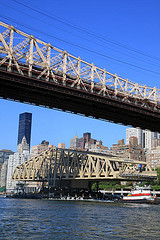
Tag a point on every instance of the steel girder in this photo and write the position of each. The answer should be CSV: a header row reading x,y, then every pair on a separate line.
x,y
66,164
41,60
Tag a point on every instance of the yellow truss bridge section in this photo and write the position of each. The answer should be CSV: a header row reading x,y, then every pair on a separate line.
x,y
65,164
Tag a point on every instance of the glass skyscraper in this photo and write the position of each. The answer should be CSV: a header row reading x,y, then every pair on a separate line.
x,y
25,121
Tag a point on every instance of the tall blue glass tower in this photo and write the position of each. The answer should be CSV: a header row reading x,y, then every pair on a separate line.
x,y
25,122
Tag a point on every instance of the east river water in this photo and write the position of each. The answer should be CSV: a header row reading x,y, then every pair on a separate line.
x,y
47,219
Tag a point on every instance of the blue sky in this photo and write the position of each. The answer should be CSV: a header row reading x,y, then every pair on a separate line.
x,y
123,30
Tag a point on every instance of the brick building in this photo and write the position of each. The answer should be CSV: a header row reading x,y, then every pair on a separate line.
x,y
35,150
61,145
82,143
153,157
130,151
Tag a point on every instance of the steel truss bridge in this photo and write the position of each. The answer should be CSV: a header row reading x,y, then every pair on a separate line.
x,y
76,168
33,71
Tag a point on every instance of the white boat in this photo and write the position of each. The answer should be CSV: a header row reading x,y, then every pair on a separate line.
x,y
139,195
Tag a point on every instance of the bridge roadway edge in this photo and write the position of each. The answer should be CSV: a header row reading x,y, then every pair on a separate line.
x,y
25,89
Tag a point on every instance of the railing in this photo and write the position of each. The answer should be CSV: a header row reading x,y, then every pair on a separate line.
x,y
27,55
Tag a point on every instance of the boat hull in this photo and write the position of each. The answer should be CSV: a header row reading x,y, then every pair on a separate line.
x,y
141,201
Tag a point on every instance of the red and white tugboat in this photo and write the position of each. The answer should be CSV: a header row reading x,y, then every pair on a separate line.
x,y
139,195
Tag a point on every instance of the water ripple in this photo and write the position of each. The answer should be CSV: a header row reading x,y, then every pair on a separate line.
x,y
38,219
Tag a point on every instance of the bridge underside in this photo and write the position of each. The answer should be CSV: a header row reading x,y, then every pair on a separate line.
x,y
76,169
49,94
36,72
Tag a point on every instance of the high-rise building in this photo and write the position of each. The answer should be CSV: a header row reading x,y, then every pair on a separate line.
x,y
133,141
134,132
130,151
156,143
74,142
23,147
96,146
86,137
44,146
85,142
24,132
4,155
145,138
80,142
13,162
153,157
3,174
149,139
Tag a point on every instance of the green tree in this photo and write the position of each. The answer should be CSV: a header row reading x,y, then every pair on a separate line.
x,y
158,176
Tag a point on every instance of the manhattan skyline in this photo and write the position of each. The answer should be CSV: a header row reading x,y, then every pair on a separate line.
x,y
63,126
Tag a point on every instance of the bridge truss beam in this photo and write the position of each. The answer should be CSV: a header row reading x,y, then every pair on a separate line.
x,y
68,165
30,68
